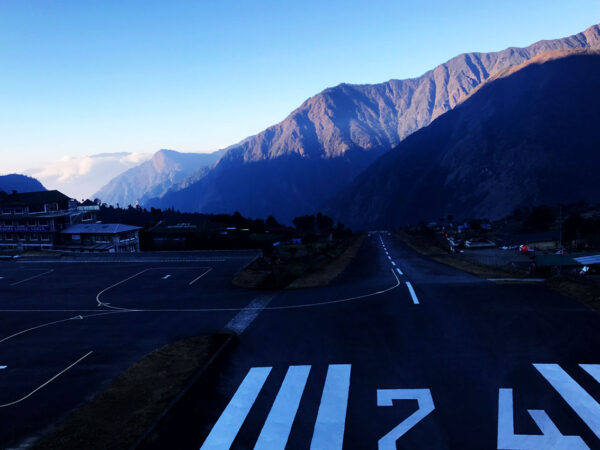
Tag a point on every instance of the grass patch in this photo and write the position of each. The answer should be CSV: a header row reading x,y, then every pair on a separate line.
x,y
580,289
118,417
300,266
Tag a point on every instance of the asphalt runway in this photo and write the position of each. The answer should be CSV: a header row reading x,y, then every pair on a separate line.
x,y
69,327
398,352
448,361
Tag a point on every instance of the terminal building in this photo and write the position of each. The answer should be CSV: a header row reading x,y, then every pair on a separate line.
x,y
49,220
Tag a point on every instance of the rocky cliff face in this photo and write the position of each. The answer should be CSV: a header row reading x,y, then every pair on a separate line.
x,y
527,137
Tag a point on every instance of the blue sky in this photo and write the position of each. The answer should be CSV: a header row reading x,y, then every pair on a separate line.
x,y
85,77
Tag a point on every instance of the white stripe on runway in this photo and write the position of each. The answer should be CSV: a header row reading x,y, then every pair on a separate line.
x,y
3,367
393,263
582,403
276,431
166,276
593,370
244,318
399,271
412,293
228,426
331,418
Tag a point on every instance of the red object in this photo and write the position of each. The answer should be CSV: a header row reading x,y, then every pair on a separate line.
x,y
524,248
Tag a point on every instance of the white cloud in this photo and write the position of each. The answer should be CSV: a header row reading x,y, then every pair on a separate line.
x,y
81,176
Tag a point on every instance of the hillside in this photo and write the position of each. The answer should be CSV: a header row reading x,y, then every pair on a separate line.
x,y
526,138
291,167
19,183
153,178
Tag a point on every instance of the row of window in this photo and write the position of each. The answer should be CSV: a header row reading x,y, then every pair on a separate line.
x,y
23,237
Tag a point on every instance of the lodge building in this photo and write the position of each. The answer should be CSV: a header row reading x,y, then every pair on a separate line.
x,y
50,220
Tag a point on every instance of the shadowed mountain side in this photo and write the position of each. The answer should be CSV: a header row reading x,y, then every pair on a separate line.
x,y
340,123
155,177
527,138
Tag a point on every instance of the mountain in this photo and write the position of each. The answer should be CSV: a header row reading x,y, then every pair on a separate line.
x,y
166,169
528,137
19,183
82,176
291,167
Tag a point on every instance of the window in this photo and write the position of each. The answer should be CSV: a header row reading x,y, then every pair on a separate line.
x,y
35,237
45,237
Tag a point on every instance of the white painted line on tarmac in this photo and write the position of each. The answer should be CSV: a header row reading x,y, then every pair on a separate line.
x,y
47,382
228,426
33,277
246,316
413,295
393,263
582,403
331,418
399,271
3,367
197,278
593,370
276,431
166,277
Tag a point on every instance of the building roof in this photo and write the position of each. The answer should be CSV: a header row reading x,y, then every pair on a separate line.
x,y
32,198
99,228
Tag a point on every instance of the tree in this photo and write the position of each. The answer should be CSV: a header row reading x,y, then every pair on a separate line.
x,y
324,223
540,218
304,224
271,223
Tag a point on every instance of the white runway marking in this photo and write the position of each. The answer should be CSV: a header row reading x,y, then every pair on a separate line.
x,y
393,263
582,403
413,295
386,397
227,427
244,318
551,437
276,431
55,322
47,382
331,418
593,370
3,367
197,278
399,271
166,277
33,277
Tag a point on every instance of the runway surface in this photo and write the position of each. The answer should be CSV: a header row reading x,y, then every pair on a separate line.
x,y
398,352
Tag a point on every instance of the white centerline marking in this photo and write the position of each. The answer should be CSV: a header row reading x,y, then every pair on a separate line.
x,y
582,403
331,418
3,367
413,295
393,263
33,277
399,271
47,382
166,277
276,431
228,426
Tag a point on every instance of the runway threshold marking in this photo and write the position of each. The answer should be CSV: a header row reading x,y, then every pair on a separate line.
x,y
413,295
576,397
593,370
331,418
276,431
228,426
47,382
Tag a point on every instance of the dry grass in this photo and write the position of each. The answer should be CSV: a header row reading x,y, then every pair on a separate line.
x,y
117,417
330,271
